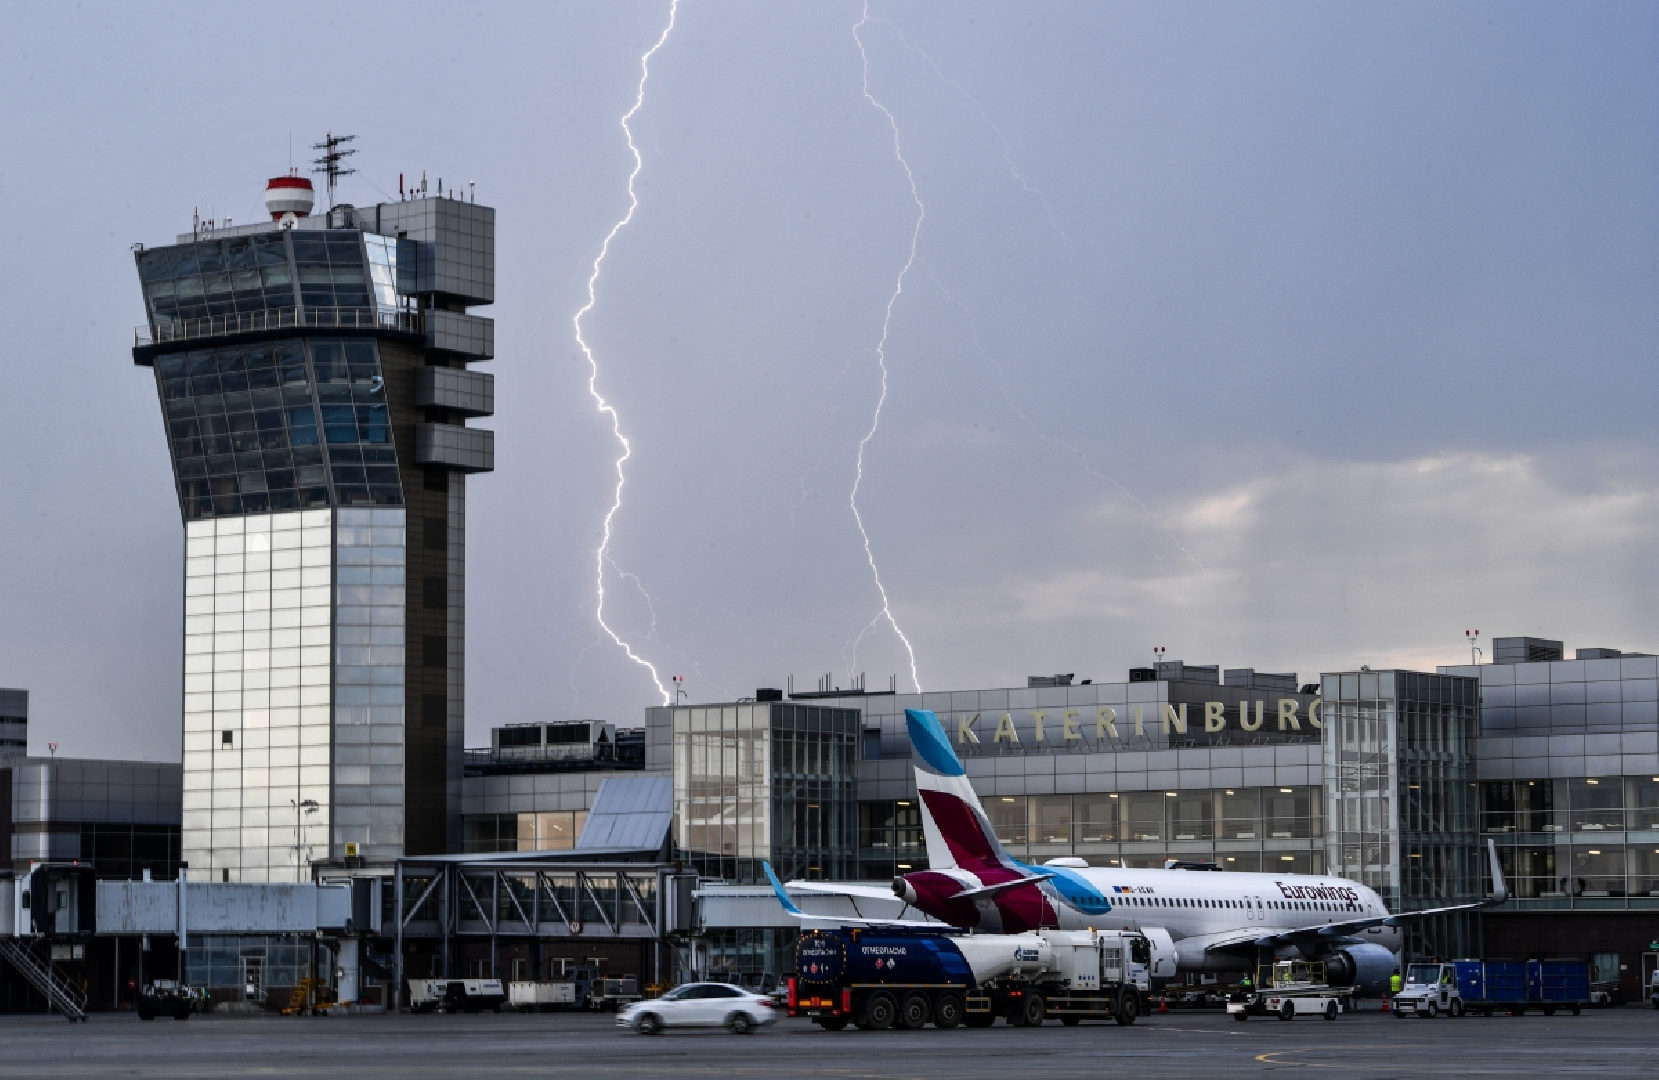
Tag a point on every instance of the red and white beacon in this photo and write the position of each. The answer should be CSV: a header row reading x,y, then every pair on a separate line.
x,y
289,198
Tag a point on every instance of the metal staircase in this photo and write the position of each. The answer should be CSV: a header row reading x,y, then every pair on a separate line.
x,y
63,995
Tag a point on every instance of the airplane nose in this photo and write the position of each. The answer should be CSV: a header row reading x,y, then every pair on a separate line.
x,y
904,890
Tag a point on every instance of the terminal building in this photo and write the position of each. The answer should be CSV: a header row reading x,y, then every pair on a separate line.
x,y
314,381
1393,778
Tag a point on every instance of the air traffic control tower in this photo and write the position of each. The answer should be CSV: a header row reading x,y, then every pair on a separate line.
x,y
314,382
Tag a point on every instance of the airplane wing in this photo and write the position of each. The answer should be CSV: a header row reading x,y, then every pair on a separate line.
x,y
1234,940
865,892
808,920
992,890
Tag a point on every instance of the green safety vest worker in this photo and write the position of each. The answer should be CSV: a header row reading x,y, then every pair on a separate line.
x,y
1394,983
1246,983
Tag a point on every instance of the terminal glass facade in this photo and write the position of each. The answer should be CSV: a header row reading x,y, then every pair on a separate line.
x,y
766,781
1402,796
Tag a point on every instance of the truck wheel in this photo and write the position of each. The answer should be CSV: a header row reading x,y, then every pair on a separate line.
x,y
1128,1009
1035,1010
979,1019
1575,1008
1455,1010
1549,1010
879,1012
1330,1010
1428,1010
947,1012
1241,1016
145,1014
1287,1011
831,1023
1071,1021
914,1012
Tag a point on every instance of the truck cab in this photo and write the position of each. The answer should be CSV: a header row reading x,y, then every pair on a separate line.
x,y
1430,990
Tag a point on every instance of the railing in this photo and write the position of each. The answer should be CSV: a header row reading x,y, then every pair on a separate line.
x,y
250,322
64,996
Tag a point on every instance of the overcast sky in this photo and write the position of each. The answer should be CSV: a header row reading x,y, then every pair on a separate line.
x,y
1294,336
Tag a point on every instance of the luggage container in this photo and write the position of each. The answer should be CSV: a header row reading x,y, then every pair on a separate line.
x,y
1491,986
541,996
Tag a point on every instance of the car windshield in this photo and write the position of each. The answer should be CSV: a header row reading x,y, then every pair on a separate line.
x,y
1423,973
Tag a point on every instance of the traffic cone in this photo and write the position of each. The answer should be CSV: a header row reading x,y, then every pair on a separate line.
x,y
1163,1003
1385,1003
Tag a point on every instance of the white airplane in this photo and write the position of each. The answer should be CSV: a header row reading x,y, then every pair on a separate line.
x,y
1195,921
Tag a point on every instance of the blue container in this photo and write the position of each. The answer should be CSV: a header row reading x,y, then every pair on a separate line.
x,y
1564,981
1471,979
1506,982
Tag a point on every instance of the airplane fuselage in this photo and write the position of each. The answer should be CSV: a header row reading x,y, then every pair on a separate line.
x,y
1186,903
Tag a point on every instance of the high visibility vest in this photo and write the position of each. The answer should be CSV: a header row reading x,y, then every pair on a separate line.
x,y
1394,984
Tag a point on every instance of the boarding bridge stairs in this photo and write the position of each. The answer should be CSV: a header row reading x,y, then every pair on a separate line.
x,y
63,995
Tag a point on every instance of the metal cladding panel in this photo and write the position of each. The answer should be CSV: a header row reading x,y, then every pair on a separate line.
x,y
455,447
468,392
632,812
472,336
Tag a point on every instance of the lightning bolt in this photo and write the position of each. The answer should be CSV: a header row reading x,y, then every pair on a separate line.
x,y
602,556
881,361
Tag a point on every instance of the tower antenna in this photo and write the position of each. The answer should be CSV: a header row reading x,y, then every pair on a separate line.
x,y
329,164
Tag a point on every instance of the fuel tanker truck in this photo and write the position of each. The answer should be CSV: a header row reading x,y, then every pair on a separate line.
x,y
880,978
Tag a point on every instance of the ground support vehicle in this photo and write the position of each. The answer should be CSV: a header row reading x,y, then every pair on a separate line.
x,y
1488,986
541,996
165,997
456,995
1288,989
613,994
882,978
737,1010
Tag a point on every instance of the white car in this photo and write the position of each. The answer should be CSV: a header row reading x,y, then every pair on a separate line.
x,y
701,1005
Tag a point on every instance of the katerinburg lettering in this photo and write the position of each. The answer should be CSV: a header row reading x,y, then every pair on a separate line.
x,y
1058,727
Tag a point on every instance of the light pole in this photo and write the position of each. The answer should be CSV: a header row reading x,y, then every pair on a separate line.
x,y
680,690
1473,637
308,806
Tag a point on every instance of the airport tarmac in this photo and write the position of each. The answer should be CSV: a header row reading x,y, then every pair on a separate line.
x,y
1187,1043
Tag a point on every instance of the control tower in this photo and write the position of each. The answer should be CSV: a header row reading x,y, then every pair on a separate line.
x,y
313,372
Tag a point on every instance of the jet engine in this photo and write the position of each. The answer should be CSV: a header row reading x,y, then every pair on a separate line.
x,y
1364,967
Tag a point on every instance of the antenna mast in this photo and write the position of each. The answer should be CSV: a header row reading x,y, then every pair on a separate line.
x,y
329,164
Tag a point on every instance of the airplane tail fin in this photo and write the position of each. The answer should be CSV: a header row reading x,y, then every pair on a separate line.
x,y
959,835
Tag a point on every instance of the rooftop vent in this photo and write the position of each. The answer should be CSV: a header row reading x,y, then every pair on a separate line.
x,y
1250,679
1525,650
1033,681
1176,671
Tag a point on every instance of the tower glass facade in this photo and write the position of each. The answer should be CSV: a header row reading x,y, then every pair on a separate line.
x,y
314,385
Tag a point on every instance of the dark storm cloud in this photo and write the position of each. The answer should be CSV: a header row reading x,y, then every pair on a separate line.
x,y
1285,335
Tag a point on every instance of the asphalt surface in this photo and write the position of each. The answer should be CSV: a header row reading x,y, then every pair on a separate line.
x,y
1608,1043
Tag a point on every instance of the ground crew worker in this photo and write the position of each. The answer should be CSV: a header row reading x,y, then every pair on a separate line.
x,y
1395,984
1245,984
